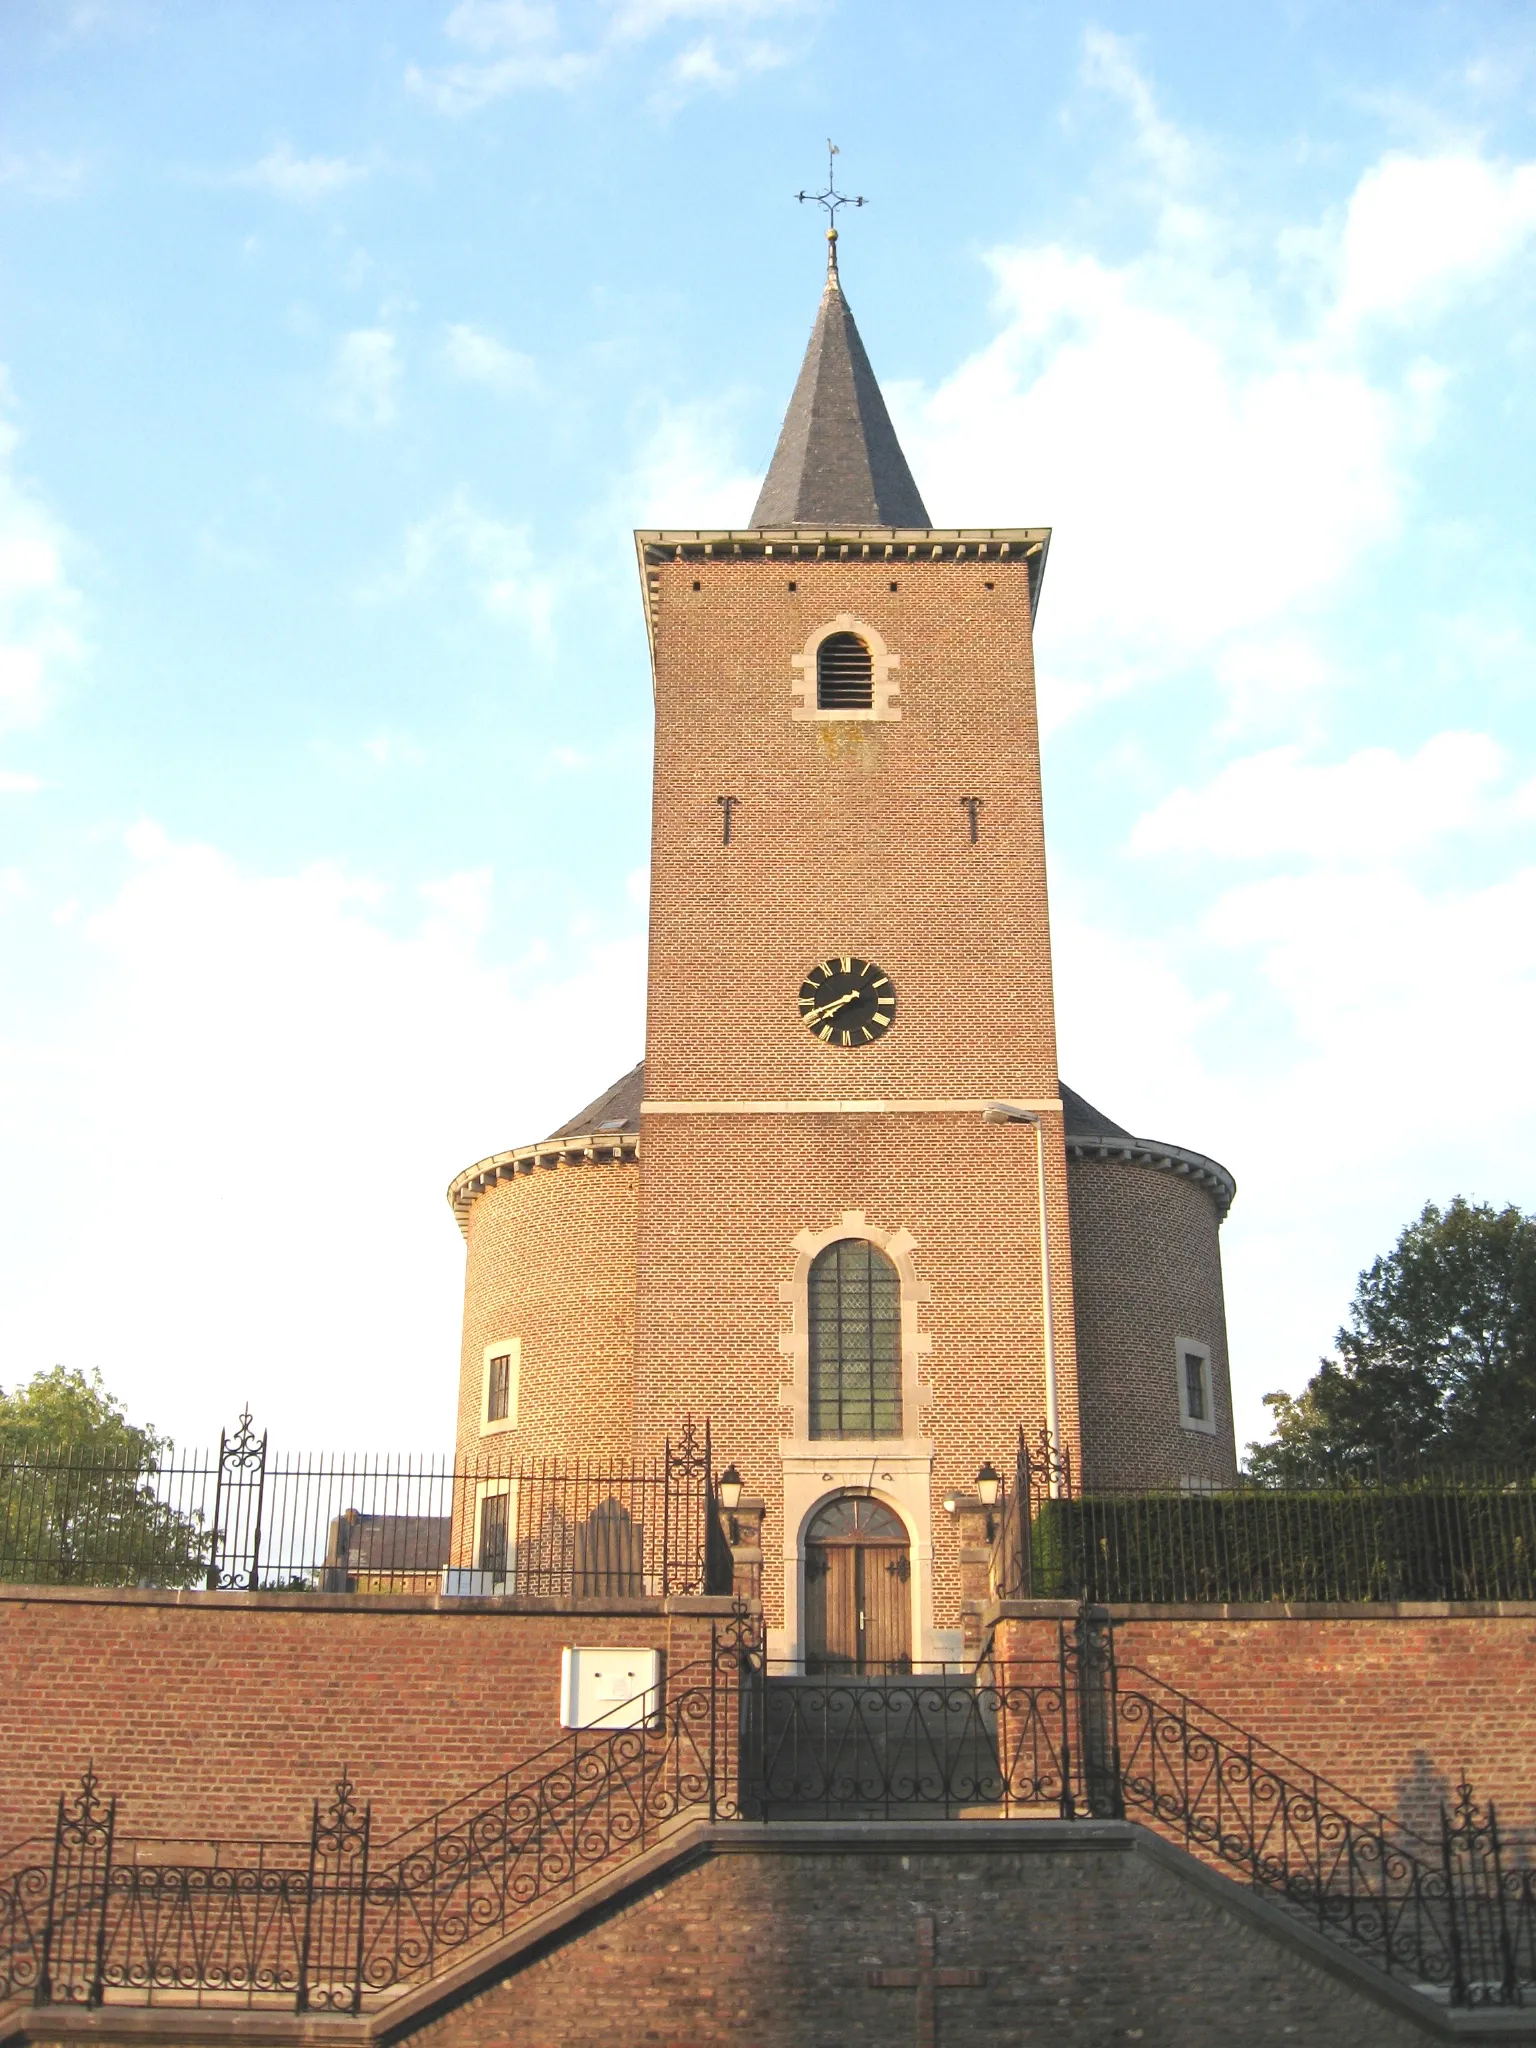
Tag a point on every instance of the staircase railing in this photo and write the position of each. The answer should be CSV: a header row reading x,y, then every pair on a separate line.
x,y
260,1925
346,1922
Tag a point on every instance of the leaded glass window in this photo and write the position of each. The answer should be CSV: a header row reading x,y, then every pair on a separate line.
x,y
855,1325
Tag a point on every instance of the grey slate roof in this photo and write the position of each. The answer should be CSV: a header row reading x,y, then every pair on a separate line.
x,y
838,462
617,1108
1082,1120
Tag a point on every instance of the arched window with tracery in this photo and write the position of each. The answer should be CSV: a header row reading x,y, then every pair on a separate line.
x,y
845,674
854,1302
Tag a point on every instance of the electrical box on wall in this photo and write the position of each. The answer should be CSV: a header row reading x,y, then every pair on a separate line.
x,y
609,1688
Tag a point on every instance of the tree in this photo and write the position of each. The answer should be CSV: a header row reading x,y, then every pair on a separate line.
x,y
1437,1364
82,1499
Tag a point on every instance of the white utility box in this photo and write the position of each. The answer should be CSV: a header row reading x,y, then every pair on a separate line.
x,y
606,1688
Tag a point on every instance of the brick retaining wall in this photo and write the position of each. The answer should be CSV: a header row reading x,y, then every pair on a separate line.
x,y
228,1713
1079,1935
1391,1702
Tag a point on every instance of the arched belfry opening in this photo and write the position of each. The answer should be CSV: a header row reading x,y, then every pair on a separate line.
x,y
845,674
858,1600
854,1315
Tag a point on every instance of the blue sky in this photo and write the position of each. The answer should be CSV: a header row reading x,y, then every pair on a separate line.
x,y
344,344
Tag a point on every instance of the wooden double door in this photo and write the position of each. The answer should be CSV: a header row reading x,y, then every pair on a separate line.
x,y
858,1590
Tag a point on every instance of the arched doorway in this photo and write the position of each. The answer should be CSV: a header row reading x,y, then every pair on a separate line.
x,y
858,1601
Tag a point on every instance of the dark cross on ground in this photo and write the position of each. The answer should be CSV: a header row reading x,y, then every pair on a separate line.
x,y
925,1980
830,201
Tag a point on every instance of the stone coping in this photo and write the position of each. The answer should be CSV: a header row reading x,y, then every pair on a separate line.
x,y
581,1147
298,1601
1270,1610
589,1147
1205,1173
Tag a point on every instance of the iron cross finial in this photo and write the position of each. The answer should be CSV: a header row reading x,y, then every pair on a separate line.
x,y
831,200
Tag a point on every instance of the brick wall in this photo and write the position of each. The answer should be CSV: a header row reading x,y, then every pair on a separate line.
x,y
551,1260
1146,1270
1076,1942
1392,1703
847,838
220,1714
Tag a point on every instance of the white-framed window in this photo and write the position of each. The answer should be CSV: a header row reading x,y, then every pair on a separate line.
x,y
499,1380
1192,1363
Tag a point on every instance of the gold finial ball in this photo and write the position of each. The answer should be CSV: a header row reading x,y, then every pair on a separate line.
x,y
831,234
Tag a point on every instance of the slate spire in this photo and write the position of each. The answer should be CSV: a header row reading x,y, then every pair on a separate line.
x,y
838,462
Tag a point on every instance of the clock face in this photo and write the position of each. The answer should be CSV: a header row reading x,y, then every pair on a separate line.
x,y
846,1001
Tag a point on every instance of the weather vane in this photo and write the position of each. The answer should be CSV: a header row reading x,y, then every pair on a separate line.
x,y
831,200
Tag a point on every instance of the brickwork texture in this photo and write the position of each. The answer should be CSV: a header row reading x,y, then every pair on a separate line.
x,y
1146,1270
225,1714
775,1949
1392,1703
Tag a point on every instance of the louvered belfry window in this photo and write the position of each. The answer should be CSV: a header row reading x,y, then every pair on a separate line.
x,y
845,675
855,1328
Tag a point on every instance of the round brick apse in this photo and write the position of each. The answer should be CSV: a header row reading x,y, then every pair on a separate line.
x,y
1146,1273
551,1265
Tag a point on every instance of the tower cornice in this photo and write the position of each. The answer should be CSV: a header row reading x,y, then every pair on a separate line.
x,y
655,546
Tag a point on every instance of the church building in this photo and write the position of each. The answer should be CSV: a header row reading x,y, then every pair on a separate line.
x,y
845,1206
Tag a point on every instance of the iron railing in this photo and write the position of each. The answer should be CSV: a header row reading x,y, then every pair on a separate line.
x,y
1446,1535
251,1520
345,1923
346,1919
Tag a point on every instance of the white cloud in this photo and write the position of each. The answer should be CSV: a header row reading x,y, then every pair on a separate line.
x,y
1108,64
461,544
1217,469
519,46
261,1095
366,377
41,632
479,358
1181,443
40,174
1374,807
13,782
301,179
1417,228
687,474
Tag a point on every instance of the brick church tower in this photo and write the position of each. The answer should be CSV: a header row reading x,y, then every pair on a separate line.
x,y
845,1207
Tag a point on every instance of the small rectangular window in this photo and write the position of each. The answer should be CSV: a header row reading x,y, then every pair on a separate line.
x,y
1194,1385
1197,1404
498,1396
500,1371
493,1534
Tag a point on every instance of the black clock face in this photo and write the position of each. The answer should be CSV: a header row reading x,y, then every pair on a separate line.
x,y
846,1001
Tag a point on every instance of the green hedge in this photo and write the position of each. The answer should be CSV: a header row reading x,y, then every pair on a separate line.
x,y
1422,1542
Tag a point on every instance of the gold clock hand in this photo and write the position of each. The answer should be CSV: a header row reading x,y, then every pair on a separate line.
x,y
831,1009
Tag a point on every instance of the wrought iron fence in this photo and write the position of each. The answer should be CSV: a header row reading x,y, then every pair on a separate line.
x,y
249,1519
265,1924
344,1923
927,1747
1443,1535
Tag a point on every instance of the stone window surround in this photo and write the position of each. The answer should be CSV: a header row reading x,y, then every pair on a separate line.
x,y
504,1347
1184,1347
883,665
894,1470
